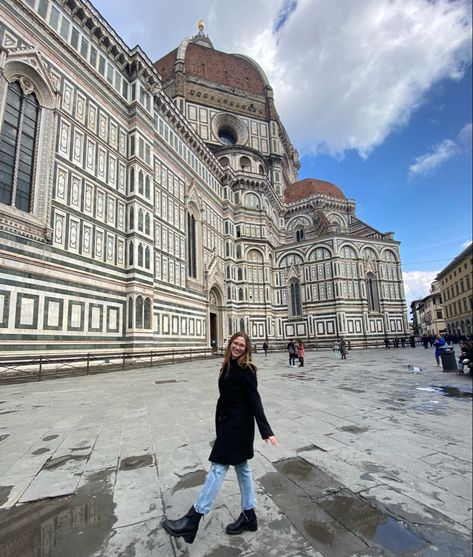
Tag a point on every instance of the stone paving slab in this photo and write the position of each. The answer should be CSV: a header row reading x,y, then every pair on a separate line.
x,y
374,459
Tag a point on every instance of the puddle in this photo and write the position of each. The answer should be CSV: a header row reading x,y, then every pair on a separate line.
x,y
372,525
299,376
164,381
309,448
333,519
134,462
414,369
59,462
453,392
353,429
8,412
50,437
4,436
76,525
4,493
192,479
351,389
41,450
224,551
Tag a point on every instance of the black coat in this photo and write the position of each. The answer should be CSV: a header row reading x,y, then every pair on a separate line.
x,y
238,406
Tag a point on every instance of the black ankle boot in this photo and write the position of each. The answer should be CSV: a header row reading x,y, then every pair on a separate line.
x,y
185,527
246,521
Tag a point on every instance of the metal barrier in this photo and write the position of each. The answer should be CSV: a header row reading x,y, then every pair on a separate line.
x,y
17,369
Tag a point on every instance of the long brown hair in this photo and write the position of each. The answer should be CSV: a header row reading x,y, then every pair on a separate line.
x,y
245,359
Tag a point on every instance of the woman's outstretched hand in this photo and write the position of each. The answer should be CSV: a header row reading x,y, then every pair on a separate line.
x,y
271,439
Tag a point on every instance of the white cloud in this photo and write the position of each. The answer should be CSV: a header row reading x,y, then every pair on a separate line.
x,y
426,164
345,74
417,284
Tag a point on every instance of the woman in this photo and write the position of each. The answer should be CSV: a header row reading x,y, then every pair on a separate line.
x,y
300,352
238,406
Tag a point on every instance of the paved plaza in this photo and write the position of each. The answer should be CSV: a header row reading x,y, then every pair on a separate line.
x,y
374,458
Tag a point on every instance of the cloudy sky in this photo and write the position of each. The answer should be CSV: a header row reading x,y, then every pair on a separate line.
x,y
375,95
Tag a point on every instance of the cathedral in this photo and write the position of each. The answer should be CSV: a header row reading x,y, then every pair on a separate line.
x,y
149,205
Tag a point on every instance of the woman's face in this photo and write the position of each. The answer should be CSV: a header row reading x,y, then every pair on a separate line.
x,y
237,347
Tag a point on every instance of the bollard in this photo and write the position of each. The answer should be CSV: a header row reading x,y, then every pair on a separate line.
x,y
151,358
88,364
172,355
40,367
123,363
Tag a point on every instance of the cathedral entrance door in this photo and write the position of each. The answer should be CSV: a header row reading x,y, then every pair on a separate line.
x,y
213,331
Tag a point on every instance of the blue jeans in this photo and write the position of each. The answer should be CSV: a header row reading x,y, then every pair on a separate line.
x,y
214,480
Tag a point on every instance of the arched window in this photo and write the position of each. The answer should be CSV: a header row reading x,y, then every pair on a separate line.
x,y
17,148
147,224
229,293
140,182
252,200
242,325
139,313
147,258
140,220
300,235
240,293
130,254
240,273
245,164
372,292
147,188
140,255
131,219
295,298
224,161
191,246
131,186
147,314
130,313
238,252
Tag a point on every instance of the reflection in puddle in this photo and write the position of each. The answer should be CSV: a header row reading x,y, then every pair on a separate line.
x,y
331,517
192,479
75,525
447,391
371,524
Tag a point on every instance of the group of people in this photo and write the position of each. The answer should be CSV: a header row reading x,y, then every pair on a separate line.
x,y
296,350
399,342
340,349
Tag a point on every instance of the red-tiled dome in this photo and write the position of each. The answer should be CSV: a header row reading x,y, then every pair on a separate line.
x,y
310,186
212,65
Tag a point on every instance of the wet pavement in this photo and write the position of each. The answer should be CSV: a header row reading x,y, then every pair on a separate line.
x,y
374,459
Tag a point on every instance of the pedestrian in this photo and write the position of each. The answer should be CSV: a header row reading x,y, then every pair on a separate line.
x,y
265,347
238,406
466,356
300,348
440,344
291,349
387,344
403,342
412,341
336,349
343,349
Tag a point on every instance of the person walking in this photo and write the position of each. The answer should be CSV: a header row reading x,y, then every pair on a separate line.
x,y
265,347
300,348
291,349
343,349
387,344
440,345
336,349
238,406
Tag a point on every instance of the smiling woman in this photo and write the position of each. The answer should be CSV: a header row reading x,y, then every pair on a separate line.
x,y
238,406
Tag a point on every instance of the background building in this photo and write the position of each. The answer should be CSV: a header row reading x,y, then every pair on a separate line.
x,y
157,205
428,313
456,289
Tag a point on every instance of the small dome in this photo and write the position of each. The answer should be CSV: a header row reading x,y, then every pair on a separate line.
x,y
310,186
